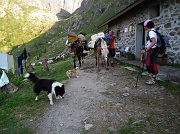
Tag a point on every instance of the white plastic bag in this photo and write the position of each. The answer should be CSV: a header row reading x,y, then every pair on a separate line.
x,y
4,79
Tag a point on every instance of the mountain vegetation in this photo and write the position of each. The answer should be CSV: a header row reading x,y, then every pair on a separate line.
x,y
42,34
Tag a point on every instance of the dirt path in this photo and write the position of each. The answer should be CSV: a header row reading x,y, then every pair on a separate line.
x,y
104,102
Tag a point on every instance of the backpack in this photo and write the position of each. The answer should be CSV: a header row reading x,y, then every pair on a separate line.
x,y
108,39
162,41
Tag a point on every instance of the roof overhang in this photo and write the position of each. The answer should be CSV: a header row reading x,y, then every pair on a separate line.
x,y
136,3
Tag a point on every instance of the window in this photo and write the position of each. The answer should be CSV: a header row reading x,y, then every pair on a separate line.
x,y
154,11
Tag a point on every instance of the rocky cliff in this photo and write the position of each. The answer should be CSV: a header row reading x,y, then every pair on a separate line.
x,y
29,18
55,5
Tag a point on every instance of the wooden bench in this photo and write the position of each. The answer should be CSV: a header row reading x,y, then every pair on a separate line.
x,y
162,59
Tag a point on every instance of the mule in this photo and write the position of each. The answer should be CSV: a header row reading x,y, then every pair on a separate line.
x,y
77,51
101,48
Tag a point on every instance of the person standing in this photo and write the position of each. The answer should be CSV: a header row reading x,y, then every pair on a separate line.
x,y
112,48
151,51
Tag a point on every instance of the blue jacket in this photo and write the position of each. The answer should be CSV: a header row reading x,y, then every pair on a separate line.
x,y
108,38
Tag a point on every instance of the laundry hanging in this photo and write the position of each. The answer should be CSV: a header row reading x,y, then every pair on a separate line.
x,y
20,67
6,62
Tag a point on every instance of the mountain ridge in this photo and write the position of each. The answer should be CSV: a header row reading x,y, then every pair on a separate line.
x,y
84,19
28,19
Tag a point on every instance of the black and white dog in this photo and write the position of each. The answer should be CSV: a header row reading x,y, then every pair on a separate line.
x,y
49,85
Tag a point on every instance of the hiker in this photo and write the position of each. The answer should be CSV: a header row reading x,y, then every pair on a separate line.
x,y
107,37
151,52
112,48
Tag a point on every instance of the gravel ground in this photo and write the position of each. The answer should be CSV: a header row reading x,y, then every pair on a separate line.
x,y
108,102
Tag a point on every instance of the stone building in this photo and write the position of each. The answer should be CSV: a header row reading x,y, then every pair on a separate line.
x,y
128,25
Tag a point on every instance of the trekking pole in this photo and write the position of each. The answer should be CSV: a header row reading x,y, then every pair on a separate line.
x,y
137,78
142,61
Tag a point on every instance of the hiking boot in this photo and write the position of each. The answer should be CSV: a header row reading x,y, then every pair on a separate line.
x,y
149,78
151,81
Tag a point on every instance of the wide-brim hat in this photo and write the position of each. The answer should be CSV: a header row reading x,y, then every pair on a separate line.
x,y
72,38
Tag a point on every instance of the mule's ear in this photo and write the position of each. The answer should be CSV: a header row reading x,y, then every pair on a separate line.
x,y
26,75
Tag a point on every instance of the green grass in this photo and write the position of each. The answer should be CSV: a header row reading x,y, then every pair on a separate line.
x,y
171,87
174,65
140,126
131,128
19,110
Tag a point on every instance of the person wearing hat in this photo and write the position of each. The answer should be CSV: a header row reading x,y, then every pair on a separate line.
x,y
151,51
110,37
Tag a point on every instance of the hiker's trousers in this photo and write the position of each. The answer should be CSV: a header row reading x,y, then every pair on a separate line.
x,y
151,61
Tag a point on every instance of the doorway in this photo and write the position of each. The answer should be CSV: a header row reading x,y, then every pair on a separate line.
x,y
140,39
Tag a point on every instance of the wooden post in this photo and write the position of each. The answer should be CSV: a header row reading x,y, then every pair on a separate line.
x,y
45,64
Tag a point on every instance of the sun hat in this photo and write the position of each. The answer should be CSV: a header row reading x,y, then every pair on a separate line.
x,y
72,37
146,22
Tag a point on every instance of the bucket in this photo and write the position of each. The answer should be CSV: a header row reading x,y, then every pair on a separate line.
x,y
131,56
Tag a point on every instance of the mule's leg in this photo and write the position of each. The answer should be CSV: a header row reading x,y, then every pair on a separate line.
x,y
79,58
102,60
106,61
74,60
97,65
96,59
50,98
97,55
82,59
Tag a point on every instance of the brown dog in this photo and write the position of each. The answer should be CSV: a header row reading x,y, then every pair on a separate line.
x,y
71,73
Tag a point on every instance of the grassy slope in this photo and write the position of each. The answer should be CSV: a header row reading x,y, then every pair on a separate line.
x,y
57,34
15,32
18,111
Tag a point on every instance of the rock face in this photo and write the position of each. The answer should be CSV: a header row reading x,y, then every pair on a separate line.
x,y
55,5
54,8
83,6
31,18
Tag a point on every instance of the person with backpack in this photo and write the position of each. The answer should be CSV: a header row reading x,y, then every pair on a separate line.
x,y
112,48
110,40
151,51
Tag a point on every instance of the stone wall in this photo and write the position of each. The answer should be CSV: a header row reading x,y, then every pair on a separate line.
x,y
168,23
